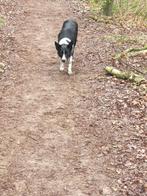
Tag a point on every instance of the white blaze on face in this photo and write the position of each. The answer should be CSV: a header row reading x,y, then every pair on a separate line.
x,y
63,57
65,41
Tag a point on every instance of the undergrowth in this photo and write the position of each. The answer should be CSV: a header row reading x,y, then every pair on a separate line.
x,y
129,12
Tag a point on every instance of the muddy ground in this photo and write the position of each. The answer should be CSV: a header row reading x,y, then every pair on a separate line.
x,y
66,135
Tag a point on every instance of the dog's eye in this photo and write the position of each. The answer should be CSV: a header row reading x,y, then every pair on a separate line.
x,y
60,52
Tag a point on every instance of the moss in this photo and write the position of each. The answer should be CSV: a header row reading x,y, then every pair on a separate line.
x,y
2,21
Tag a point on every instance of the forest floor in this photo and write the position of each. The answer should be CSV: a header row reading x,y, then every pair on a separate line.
x,y
66,135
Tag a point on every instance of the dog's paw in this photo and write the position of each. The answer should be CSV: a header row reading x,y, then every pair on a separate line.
x,y
69,72
61,68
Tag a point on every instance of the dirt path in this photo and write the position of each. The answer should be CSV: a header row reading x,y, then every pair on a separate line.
x,y
57,131
47,149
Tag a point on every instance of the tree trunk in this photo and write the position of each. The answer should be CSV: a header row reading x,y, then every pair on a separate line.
x,y
108,7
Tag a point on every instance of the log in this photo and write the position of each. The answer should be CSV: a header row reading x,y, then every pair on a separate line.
x,y
125,75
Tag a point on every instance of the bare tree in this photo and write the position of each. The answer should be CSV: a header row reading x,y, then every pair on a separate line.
x,y
108,7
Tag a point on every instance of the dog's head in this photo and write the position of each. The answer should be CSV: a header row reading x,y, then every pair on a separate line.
x,y
64,51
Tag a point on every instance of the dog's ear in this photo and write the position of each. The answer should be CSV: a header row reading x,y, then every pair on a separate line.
x,y
57,46
70,45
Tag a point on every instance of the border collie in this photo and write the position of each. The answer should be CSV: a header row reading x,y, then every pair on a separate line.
x,y
67,39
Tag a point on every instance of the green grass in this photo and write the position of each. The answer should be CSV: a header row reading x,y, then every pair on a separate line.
x,y
126,39
133,7
2,22
123,7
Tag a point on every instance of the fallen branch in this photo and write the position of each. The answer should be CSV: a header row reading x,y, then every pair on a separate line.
x,y
2,67
125,75
131,52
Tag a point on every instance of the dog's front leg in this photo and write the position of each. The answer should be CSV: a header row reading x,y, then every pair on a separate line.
x,y
61,66
70,65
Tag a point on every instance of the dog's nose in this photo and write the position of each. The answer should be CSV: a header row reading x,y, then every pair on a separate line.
x,y
63,60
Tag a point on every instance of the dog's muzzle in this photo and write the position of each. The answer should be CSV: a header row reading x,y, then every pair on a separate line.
x,y
63,58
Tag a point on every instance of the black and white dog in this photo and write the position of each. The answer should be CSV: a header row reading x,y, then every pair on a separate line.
x,y
67,39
